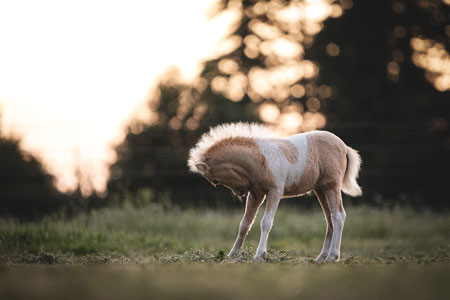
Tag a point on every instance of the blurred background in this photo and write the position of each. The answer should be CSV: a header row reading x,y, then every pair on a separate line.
x,y
100,101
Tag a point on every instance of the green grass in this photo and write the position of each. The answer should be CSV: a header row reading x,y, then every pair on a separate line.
x,y
121,253
152,232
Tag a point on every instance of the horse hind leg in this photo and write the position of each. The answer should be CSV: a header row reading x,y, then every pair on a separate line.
x,y
338,215
329,231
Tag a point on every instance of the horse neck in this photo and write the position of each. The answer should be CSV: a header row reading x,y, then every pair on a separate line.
x,y
243,152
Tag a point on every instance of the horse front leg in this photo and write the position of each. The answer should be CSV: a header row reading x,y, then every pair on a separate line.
x,y
251,209
272,201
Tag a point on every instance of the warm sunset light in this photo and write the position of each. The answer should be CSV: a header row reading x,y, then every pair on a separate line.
x,y
73,73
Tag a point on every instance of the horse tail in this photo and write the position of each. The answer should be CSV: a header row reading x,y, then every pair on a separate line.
x,y
349,184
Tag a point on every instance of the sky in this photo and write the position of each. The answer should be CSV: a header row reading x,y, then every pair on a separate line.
x,y
73,73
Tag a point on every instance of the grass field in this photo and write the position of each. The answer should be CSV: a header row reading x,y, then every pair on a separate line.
x,y
154,253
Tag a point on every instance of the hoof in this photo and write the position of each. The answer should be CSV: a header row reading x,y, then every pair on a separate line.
x,y
230,260
320,258
332,258
260,258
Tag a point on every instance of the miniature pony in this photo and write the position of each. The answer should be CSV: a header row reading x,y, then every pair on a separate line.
x,y
250,160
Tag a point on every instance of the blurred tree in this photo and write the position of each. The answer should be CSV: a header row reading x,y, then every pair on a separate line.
x,y
388,66
263,61
26,190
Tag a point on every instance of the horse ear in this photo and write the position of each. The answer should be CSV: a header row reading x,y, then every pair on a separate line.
x,y
202,167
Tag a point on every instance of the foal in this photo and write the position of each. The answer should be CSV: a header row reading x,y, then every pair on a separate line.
x,y
249,160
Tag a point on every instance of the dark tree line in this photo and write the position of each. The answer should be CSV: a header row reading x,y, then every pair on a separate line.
x,y
27,191
384,103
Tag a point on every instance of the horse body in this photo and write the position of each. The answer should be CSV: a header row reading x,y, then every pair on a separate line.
x,y
249,160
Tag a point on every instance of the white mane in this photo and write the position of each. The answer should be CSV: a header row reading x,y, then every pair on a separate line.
x,y
220,132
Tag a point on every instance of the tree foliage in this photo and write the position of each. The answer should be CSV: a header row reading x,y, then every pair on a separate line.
x,y
26,189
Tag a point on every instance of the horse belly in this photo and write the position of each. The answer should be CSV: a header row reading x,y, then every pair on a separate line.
x,y
303,178
307,183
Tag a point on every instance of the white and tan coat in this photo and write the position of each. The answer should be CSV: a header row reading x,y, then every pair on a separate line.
x,y
249,160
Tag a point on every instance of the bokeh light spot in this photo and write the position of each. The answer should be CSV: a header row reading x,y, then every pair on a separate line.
x,y
269,112
313,104
298,91
332,49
